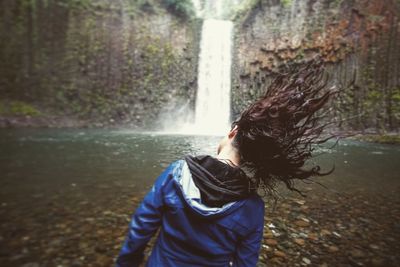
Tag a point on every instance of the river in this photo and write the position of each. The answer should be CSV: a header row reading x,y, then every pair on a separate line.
x,y
67,195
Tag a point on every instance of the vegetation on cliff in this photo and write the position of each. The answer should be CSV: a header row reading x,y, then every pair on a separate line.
x,y
123,62
104,62
358,40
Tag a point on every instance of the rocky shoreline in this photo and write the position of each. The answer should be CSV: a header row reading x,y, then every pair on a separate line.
x,y
57,122
72,228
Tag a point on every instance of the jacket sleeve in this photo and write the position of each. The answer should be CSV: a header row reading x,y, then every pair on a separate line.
x,y
144,224
248,250
248,247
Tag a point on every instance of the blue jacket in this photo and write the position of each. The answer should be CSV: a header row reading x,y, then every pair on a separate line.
x,y
191,233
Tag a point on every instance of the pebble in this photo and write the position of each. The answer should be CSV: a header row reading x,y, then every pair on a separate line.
x,y
299,201
373,246
277,260
306,261
299,241
268,235
271,242
279,253
357,253
377,262
336,234
302,223
312,236
325,232
333,249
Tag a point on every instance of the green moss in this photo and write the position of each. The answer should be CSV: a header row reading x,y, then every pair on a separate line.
x,y
375,18
25,109
396,95
300,55
79,4
18,108
286,3
108,65
337,3
243,8
182,8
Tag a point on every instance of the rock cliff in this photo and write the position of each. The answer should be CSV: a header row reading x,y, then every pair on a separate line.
x,y
100,62
358,39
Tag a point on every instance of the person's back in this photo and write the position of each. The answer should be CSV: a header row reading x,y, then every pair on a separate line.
x,y
192,233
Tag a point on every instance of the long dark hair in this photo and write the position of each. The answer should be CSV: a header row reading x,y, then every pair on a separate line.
x,y
277,133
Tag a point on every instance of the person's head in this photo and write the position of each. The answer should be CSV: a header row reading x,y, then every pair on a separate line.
x,y
227,140
275,135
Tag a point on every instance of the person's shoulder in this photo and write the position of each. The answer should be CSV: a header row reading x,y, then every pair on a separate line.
x,y
173,167
253,208
255,201
171,171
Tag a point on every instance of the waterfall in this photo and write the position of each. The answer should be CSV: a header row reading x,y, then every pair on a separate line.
x,y
212,113
213,100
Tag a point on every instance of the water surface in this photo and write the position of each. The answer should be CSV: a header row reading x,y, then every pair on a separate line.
x,y
63,191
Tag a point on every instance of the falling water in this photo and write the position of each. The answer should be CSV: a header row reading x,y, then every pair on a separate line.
x,y
212,109
212,112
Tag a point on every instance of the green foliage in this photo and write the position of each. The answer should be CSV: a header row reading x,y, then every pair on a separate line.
x,y
396,96
243,8
96,65
300,55
286,3
79,3
21,108
375,18
374,96
183,8
338,2
18,108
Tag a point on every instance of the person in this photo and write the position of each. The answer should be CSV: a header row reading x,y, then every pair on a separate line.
x,y
207,209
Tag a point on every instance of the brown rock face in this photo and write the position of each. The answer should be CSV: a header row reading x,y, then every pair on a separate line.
x,y
359,41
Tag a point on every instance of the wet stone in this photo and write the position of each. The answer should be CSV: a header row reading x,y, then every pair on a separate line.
x,y
271,242
279,253
76,263
378,262
306,261
299,241
373,246
312,236
333,249
357,253
325,232
268,235
302,223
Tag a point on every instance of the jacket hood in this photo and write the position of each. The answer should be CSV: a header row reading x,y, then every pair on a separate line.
x,y
210,187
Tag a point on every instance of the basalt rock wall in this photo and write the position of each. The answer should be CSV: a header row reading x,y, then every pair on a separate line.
x,y
359,40
99,62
